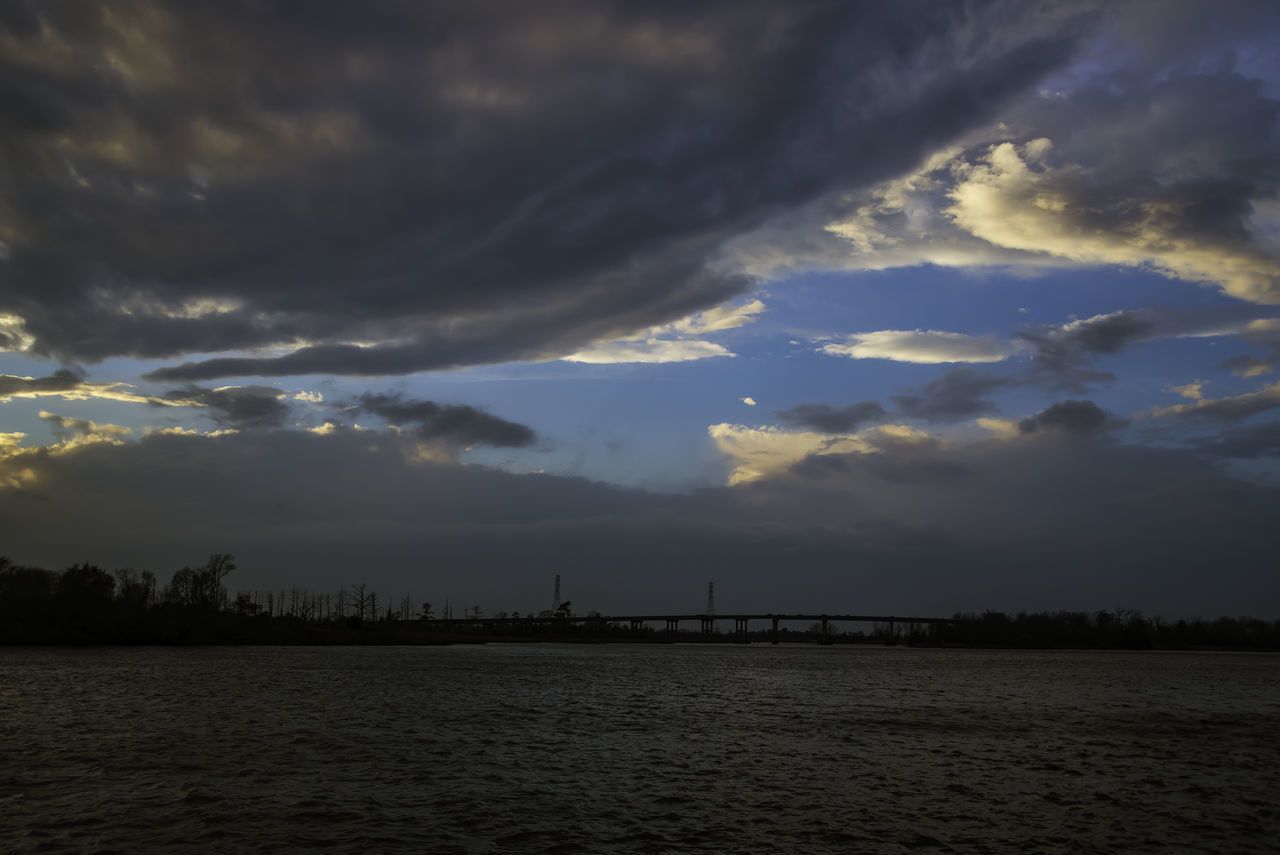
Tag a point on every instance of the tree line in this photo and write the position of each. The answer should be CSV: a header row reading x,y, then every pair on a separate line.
x,y
85,604
1119,629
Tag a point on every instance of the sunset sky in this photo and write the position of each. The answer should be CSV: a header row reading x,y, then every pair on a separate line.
x,y
901,306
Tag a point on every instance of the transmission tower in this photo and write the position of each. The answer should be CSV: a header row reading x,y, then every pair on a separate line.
x,y
555,603
711,598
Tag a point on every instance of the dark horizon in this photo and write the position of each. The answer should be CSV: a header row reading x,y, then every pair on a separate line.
x,y
85,604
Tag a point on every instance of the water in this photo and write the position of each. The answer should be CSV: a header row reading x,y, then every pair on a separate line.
x,y
644,748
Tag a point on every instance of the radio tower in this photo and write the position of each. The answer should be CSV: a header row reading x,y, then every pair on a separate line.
x,y
555,603
711,598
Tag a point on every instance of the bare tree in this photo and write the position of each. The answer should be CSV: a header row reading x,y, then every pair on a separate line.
x,y
359,601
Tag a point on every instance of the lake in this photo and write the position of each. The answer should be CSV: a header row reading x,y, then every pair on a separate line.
x,y
636,749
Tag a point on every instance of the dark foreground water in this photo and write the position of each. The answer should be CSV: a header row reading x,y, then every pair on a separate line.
x,y
636,749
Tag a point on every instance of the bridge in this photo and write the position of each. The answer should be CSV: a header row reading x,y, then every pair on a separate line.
x,y
605,625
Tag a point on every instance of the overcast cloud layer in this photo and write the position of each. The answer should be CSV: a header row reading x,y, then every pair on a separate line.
x,y
1040,520
380,189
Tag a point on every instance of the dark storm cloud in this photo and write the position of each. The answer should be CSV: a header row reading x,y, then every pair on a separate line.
x,y
1223,411
1248,442
1263,334
67,427
69,384
243,407
958,394
1063,356
1158,167
1198,145
1062,359
829,419
893,463
1135,156
454,423
1039,521
59,381
1248,365
1103,334
1069,416
449,185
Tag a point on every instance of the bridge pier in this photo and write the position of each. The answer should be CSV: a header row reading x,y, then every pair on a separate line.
x,y
740,629
637,627
775,630
708,625
673,624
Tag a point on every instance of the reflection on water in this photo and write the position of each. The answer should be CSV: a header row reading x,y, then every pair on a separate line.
x,y
648,748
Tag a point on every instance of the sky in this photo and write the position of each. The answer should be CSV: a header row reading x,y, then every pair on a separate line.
x,y
885,307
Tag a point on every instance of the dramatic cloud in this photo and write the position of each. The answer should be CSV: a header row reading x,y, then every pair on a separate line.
x,y
1224,410
1248,442
13,336
1262,333
387,188
923,346
1248,365
1065,212
828,419
958,394
70,386
1062,356
83,430
456,424
238,407
1161,169
1069,416
1109,333
56,384
758,452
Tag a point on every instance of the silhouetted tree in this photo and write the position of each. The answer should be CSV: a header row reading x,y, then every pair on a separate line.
x,y
181,588
83,599
359,601
211,594
26,602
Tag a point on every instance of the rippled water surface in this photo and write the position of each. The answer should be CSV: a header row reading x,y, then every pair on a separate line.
x,y
644,748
